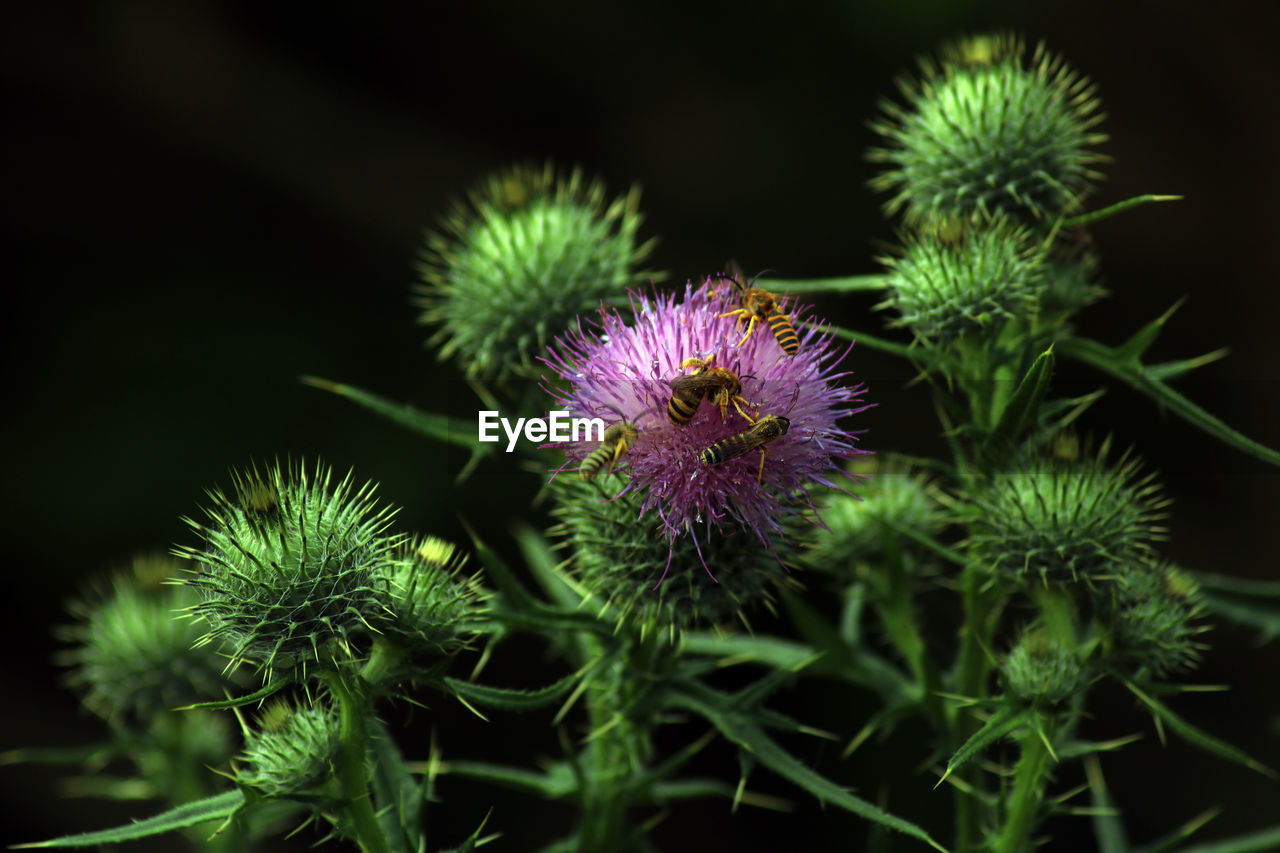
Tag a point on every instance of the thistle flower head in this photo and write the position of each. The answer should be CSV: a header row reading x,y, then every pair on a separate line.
x,y
1155,611
623,372
293,752
618,558
424,605
1039,670
1058,521
986,129
528,252
287,574
133,655
956,280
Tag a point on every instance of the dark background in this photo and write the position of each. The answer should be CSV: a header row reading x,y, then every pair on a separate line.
x,y
205,200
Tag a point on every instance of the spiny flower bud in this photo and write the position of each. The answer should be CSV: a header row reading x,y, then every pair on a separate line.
x,y
286,576
953,279
987,129
1154,612
293,753
621,556
859,527
1057,521
134,655
507,272
1040,671
424,605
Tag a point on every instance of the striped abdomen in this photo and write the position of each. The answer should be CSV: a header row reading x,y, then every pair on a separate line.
x,y
785,332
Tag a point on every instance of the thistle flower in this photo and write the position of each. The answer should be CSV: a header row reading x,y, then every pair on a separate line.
x,y
293,752
987,130
623,373
956,280
287,573
1058,521
505,273
133,655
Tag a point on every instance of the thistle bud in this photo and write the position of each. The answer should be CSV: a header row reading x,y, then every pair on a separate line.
x,y
508,271
287,572
1057,521
133,656
1154,610
424,606
952,281
294,752
859,528
988,129
647,580
1040,671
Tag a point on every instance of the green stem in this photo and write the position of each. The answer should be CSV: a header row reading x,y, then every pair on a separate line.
x,y
1028,791
972,669
353,710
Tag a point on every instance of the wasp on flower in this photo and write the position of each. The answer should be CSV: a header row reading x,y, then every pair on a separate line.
x,y
629,370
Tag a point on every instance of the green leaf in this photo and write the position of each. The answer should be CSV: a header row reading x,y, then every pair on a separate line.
x,y
542,563
510,699
846,284
240,701
397,794
557,782
96,752
1193,735
1251,603
1130,352
1118,207
891,347
189,814
1005,720
1173,369
1020,412
1257,842
1108,828
1106,359
773,652
437,427
719,709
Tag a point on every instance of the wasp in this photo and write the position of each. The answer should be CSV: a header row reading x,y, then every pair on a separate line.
x,y
720,383
768,429
761,306
617,439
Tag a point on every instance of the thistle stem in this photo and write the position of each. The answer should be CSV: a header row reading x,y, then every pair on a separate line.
x,y
1028,791
353,710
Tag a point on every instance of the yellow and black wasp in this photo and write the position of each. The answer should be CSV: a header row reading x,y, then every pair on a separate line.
x,y
617,439
768,429
721,384
760,306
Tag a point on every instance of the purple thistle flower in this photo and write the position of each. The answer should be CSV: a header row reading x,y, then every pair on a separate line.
x,y
623,372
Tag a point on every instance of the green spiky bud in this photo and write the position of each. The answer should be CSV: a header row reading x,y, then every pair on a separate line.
x,y
1040,671
425,607
1057,521
1154,614
293,753
514,266
134,654
1070,284
865,527
620,556
286,576
988,129
953,280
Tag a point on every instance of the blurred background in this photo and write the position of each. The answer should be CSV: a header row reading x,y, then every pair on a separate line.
x,y
205,200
